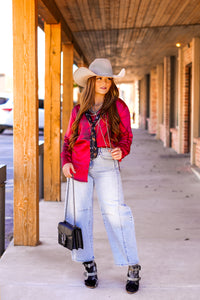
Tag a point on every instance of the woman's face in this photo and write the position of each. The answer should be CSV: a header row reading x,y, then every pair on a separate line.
x,y
102,85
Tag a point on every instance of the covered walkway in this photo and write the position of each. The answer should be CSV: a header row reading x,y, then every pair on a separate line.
x,y
163,193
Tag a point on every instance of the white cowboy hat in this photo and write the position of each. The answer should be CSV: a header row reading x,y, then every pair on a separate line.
x,y
99,67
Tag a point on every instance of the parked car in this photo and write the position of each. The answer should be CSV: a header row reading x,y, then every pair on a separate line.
x,y
6,112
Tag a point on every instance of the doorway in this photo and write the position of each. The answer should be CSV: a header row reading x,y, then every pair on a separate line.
x,y
147,99
187,109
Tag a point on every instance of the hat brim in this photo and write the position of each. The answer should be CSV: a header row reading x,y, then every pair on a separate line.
x,y
82,74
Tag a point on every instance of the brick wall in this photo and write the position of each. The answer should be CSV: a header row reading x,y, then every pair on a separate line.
x,y
174,139
187,53
184,114
197,152
142,103
162,132
167,95
153,102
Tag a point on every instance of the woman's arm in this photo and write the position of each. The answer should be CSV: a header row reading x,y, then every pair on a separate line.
x,y
66,155
125,127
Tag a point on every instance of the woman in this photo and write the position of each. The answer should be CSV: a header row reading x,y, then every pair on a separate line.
x,y
98,137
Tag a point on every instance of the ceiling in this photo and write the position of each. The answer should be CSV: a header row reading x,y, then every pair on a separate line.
x,y
134,34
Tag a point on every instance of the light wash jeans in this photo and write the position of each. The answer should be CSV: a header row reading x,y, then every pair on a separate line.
x,y
118,220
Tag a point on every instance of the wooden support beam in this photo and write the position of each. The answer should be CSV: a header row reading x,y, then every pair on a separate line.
x,y
26,158
67,103
52,112
195,114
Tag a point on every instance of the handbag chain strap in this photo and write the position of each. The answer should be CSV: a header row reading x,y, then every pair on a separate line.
x,y
67,199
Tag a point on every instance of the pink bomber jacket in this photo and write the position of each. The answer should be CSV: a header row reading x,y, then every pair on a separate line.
x,y
80,155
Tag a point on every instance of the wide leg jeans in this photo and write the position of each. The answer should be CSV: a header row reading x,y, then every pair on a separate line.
x,y
104,174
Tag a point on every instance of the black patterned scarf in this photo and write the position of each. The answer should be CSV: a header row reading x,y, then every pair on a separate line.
x,y
93,140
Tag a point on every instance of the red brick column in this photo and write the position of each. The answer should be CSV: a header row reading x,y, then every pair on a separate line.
x,y
142,102
195,105
197,152
167,88
160,70
153,102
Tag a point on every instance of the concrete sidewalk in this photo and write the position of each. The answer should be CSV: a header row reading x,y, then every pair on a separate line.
x,y
164,195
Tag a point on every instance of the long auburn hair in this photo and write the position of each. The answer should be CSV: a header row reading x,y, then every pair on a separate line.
x,y
108,110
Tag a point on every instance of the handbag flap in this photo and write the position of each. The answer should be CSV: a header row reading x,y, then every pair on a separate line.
x,y
66,228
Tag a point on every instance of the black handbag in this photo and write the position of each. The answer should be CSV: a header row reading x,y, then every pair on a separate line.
x,y
70,236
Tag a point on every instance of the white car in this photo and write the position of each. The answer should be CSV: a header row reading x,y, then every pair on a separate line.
x,y
6,112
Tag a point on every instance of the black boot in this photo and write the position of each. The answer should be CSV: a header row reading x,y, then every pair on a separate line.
x,y
91,279
132,284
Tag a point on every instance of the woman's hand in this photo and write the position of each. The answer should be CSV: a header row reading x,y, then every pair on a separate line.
x,y
116,153
67,169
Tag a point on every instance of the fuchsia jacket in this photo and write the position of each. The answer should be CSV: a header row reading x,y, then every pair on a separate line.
x,y
80,155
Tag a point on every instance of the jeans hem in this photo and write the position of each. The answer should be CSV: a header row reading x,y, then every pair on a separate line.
x,y
82,261
127,264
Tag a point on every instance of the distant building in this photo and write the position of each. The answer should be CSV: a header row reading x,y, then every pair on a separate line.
x,y
6,83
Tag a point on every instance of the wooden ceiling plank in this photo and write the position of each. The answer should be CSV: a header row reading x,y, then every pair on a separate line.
x,y
153,8
136,35
115,12
181,7
124,7
188,17
127,42
96,24
68,15
170,11
85,13
89,19
103,15
104,44
90,14
144,4
107,38
160,16
113,43
124,36
132,13
107,13
95,11
103,23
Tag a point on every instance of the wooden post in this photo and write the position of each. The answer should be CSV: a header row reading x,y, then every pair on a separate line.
x,y
67,104
195,96
52,112
26,166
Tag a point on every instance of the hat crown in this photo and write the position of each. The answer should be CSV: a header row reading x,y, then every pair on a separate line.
x,y
101,67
